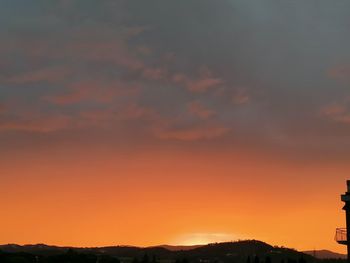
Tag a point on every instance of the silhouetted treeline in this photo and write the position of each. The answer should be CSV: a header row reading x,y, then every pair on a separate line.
x,y
249,251
70,256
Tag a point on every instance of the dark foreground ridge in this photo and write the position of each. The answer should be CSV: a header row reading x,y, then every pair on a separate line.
x,y
324,254
247,251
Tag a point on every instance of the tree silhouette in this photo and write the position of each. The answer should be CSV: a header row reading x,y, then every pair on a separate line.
x,y
145,258
108,259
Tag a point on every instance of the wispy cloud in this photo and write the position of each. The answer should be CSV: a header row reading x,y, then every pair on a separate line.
x,y
47,75
192,133
103,91
204,82
340,72
338,112
240,97
41,124
197,109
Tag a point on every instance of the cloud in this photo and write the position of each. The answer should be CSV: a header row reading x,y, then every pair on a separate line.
x,y
112,115
338,112
202,83
146,66
37,122
154,73
197,109
192,133
73,46
340,72
135,111
41,124
115,51
93,90
72,97
2,108
48,75
240,97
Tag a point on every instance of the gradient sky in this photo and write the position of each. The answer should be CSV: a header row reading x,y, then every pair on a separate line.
x,y
178,122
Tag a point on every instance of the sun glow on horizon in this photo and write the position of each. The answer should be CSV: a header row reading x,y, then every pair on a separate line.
x,y
192,239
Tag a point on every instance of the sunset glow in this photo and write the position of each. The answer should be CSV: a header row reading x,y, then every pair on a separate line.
x,y
173,122
204,238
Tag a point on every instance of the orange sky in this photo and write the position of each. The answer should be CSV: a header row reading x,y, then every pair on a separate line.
x,y
105,198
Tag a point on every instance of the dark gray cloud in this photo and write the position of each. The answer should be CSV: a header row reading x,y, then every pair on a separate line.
x,y
270,72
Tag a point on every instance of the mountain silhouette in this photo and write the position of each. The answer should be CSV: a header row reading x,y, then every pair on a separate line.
x,y
324,254
239,251
179,247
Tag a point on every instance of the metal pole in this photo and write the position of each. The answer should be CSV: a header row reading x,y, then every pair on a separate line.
x,y
347,214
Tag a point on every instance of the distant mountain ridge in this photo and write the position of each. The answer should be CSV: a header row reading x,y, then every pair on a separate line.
x,y
325,254
238,251
180,247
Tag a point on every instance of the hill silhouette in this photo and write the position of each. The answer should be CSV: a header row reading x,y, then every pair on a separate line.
x,y
179,247
245,251
324,254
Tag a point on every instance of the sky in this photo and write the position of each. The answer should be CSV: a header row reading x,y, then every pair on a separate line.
x,y
174,122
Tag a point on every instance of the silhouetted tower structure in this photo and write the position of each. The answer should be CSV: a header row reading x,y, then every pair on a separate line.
x,y
342,236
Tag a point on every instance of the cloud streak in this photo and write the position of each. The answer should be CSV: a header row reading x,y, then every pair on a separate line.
x,y
194,79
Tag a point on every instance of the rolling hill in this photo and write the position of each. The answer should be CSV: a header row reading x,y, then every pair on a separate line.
x,y
325,254
239,251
